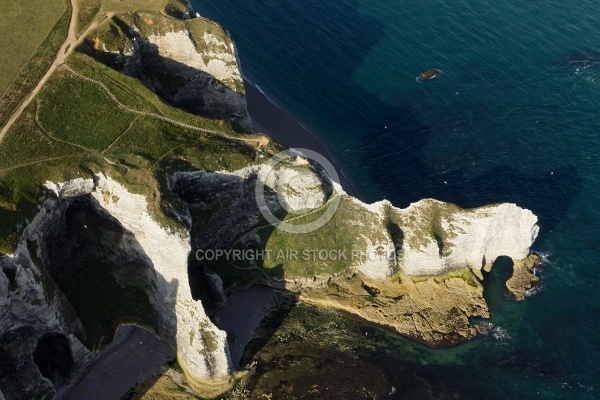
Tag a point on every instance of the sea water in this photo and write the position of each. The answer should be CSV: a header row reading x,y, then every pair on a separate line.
x,y
514,117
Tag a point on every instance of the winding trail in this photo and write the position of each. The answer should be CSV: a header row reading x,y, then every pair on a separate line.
x,y
27,164
143,113
261,141
67,47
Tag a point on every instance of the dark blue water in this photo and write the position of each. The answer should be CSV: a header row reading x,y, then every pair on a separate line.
x,y
514,117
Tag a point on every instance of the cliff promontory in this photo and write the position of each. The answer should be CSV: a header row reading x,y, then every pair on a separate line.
x,y
417,270
132,193
192,64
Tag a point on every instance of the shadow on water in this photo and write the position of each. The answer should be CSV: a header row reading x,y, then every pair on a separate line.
x,y
580,59
290,34
395,158
494,284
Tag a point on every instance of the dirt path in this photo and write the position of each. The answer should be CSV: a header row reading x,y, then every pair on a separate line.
x,y
35,162
70,43
260,141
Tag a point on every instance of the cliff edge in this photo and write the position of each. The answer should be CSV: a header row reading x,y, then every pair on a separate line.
x,y
417,270
192,63
119,207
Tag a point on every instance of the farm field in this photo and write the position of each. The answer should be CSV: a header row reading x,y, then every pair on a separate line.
x,y
18,42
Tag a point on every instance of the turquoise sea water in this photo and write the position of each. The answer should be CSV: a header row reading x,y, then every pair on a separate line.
x,y
514,117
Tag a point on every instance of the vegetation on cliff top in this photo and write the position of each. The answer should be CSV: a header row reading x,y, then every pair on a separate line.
x,y
74,128
18,42
27,53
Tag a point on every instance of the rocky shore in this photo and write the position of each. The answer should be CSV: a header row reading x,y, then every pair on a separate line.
x,y
417,271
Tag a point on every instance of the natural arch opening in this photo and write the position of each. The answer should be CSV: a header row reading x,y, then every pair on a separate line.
x,y
494,284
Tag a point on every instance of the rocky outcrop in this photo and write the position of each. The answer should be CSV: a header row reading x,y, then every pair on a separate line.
x,y
433,312
417,270
201,347
38,347
523,279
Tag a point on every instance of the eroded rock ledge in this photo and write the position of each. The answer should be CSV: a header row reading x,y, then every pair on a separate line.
x,y
426,281
427,291
523,279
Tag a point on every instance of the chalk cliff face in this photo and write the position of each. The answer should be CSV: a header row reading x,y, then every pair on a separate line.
x,y
192,64
441,237
423,263
428,238
201,347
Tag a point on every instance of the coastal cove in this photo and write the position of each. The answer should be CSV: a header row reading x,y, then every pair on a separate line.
x,y
513,118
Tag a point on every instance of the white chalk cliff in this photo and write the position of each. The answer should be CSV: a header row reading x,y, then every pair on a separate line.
x,y
201,348
440,237
216,58
193,64
435,237
470,238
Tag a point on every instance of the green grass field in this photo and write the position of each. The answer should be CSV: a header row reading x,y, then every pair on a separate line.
x,y
19,41
74,128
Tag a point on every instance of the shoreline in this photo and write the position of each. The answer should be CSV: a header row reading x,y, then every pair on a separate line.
x,y
279,125
132,350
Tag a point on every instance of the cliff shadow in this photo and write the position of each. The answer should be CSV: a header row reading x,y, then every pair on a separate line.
x,y
230,269
111,284
495,291
88,255
178,84
226,217
305,54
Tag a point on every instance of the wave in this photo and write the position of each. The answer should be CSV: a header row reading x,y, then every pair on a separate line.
x,y
534,290
255,85
545,256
